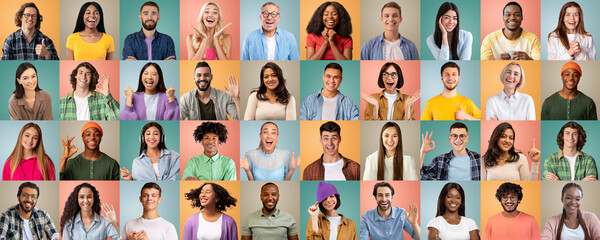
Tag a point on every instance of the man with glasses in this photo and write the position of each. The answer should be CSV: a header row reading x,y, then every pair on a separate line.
x,y
511,223
28,43
270,42
24,221
460,164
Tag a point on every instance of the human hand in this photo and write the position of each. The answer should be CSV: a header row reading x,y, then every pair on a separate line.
x,y
494,118
295,161
331,36
108,213
428,145
436,237
574,48
170,58
103,85
141,235
461,114
534,153
412,214
504,56
130,58
589,178
218,33
41,50
128,93
324,34
234,88
69,150
442,28
313,210
244,164
170,94
413,98
125,174
192,178
551,177
369,99
199,31
520,55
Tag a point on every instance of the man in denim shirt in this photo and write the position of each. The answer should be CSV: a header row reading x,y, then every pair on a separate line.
x,y
270,42
148,44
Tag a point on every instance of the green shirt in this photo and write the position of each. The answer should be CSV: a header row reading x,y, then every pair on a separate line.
x,y
101,107
278,226
217,168
581,107
557,164
79,168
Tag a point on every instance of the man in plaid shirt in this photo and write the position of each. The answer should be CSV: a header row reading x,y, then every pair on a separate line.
x,y
460,164
28,43
24,221
570,163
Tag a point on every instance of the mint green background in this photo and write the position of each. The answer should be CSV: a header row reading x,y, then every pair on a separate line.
x,y
130,76
130,139
311,78
469,14
167,24
131,207
47,72
441,131
349,196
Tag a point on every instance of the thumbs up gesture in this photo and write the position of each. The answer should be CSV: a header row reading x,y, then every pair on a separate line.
x,y
41,50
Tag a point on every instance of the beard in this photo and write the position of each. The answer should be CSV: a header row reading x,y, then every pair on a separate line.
x,y
205,88
509,211
22,206
269,209
149,27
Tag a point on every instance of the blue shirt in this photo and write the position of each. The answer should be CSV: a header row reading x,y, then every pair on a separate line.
x,y
312,107
375,227
373,49
458,169
162,46
438,167
168,167
255,46
99,230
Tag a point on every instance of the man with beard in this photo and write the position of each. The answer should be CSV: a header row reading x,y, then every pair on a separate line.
x,y
150,225
28,43
511,223
386,221
512,41
569,103
24,221
450,105
91,164
149,44
269,222
208,103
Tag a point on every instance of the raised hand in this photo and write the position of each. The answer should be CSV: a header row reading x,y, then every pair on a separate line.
x,y
534,153
108,213
41,50
244,164
218,33
413,98
129,96
170,94
295,161
428,145
313,210
125,174
103,85
69,150
368,98
234,88
199,31
412,214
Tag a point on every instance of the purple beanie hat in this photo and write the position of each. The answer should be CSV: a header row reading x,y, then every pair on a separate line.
x,y
325,190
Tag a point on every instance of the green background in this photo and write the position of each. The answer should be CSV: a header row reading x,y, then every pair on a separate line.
x,y
441,131
311,78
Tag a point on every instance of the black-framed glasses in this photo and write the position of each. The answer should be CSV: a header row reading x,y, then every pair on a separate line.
x,y
27,195
27,15
511,197
273,14
394,75
456,136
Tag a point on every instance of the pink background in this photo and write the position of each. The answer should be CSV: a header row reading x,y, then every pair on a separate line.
x,y
494,20
110,68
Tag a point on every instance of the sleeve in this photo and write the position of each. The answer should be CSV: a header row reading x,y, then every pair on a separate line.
x,y
353,230
66,233
71,42
347,43
427,111
190,169
438,54
12,109
592,50
411,168
530,109
175,166
355,112
413,52
536,54
49,228
429,172
292,229
489,108
407,226
483,170
170,50
364,228
183,109
6,49
46,107
533,175
487,233
125,233
592,110
370,173
111,44
111,108
294,54
230,172
591,168
245,227
116,173
250,113
310,41
231,108
472,225
51,169
475,112
524,173
66,175
548,167
128,51
556,51
545,110
129,113
467,51
172,232
290,109
549,231
304,110
434,223
51,48
369,111
6,171
486,48
310,232
171,110
245,50
364,51
593,225
111,231
188,229
232,229
535,229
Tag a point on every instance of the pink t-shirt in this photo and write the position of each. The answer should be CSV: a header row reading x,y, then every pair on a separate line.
x,y
523,226
28,169
315,42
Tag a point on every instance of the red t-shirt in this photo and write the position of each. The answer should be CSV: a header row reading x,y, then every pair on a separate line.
x,y
315,42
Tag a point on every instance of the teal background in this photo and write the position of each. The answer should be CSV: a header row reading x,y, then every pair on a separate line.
x,y
289,132
433,188
130,22
349,207
49,136
131,207
549,13
469,17
47,72
441,131
131,76
468,86
311,78
130,139
250,18
550,130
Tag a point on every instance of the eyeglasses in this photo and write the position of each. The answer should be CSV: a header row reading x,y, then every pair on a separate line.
x,y
27,195
394,75
273,14
455,136
27,15
511,197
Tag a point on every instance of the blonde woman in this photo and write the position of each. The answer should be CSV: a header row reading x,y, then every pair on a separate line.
x,y
29,160
209,42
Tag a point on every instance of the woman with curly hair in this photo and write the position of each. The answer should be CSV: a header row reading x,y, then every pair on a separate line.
x,y
81,217
29,101
570,41
89,40
209,41
271,101
450,222
210,223
448,41
329,32
502,162
389,162
28,160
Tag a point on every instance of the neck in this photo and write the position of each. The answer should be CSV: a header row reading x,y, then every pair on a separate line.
x,y
29,94
87,215
90,30
153,152
509,92
384,213
92,154
460,153
210,211
269,33
391,35
569,151
267,213
390,153
391,91
210,154
571,216
329,94
203,94
512,35
571,31
149,33
151,91
510,214
25,215
82,92
331,158
449,214
271,94
210,31
150,214
27,154
449,93
332,213
28,32
267,151
569,93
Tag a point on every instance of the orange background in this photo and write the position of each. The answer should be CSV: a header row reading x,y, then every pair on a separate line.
x,y
405,193
110,68
49,10
308,7
221,70
490,205
494,20
190,148
310,144
491,85
185,206
190,9
369,71
525,131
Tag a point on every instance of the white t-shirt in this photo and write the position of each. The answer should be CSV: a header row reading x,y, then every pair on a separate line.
x,y
157,228
209,230
82,108
27,235
448,231
151,102
392,51
391,98
329,105
271,43
572,234
156,172
333,171
334,222
571,161
410,166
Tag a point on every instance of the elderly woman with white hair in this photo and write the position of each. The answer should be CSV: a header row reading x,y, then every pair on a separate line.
x,y
511,104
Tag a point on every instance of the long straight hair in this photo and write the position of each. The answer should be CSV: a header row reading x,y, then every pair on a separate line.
x,y
493,151
586,232
398,159
43,160
437,34
561,29
80,26
441,206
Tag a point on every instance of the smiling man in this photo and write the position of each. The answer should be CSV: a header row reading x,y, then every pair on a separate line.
x,y
270,42
210,166
149,44
569,103
511,223
91,164
512,41
570,163
460,164
28,43
150,225
329,103
385,220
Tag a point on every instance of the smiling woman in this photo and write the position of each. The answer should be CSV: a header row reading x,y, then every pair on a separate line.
x,y
29,101
450,222
570,41
271,101
89,40
449,41
28,160
329,223
329,32
511,104
389,162
210,223
572,223
209,41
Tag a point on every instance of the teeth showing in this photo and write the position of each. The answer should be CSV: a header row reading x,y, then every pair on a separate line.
x,y
210,20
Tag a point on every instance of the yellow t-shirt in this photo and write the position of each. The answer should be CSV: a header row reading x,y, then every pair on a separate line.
x,y
441,108
496,43
90,51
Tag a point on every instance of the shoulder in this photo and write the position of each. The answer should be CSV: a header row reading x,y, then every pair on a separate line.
x,y
493,36
314,165
408,42
373,156
172,152
107,37
529,35
75,35
373,40
43,95
526,217
189,94
131,36
252,95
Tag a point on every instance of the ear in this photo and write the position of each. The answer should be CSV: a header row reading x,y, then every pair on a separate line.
x,y
159,200
140,17
400,20
141,199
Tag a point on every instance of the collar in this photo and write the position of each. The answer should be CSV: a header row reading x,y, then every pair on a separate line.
x,y
213,158
262,32
346,161
15,212
274,214
163,152
72,93
561,154
142,35
393,214
400,38
517,94
78,217
19,33
344,219
320,94
381,95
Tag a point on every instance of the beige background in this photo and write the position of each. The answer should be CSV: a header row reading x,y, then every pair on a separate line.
x,y
69,9
110,139
370,133
249,80
588,84
551,198
289,199
47,201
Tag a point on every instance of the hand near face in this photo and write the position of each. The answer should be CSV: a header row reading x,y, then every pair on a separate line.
x,y
170,94
331,36
295,161
428,145
534,153
199,31
442,28
551,177
244,164
368,98
103,85
218,33
108,213
69,150
125,174
41,50
589,178
412,214
324,34
313,210
234,88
